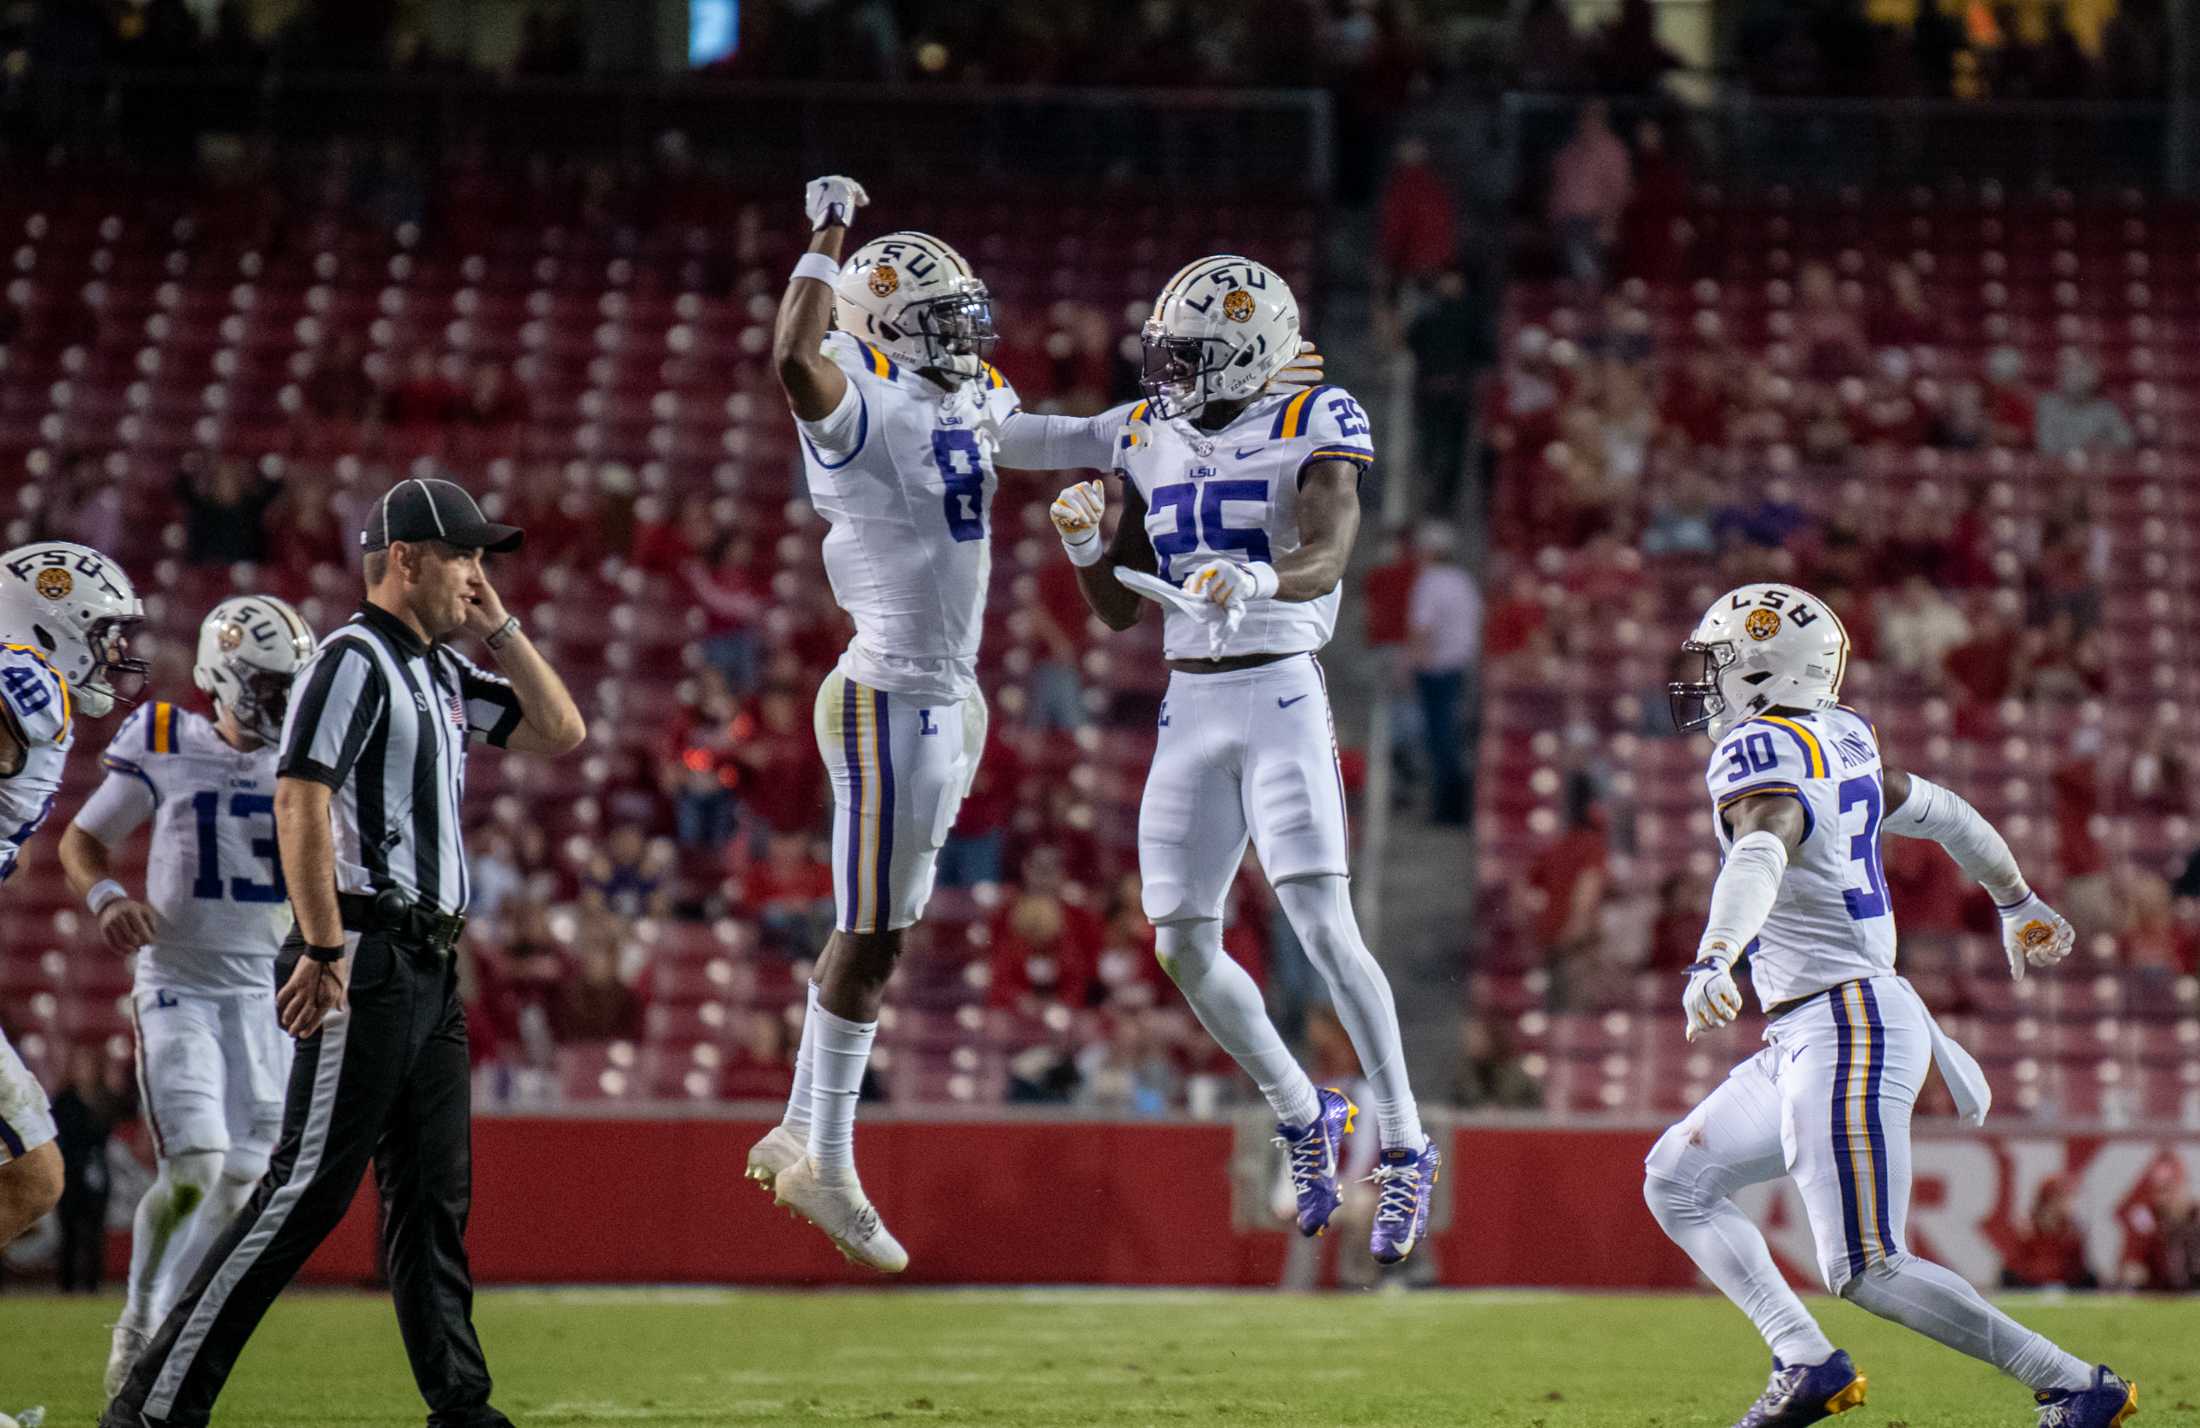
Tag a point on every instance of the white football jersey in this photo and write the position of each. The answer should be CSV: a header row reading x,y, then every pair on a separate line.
x,y
213,876
1832,922
903,472
37,700
1234,493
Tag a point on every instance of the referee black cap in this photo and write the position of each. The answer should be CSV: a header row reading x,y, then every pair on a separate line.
x,y
429,509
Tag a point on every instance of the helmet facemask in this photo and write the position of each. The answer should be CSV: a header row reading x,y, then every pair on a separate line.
x,y
1700,703
1177,373
957,329
263,698
117,676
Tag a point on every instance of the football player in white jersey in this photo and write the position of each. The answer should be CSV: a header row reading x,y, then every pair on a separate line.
x,y
66,615
902,422
213,1061
1801,795
1240,505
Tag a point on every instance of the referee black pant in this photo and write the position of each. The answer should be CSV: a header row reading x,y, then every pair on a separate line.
x,y
386,1079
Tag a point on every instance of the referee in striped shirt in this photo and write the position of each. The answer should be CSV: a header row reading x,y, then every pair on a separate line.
x,y
367,807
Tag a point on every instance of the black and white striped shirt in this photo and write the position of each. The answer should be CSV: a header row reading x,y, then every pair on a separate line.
x,y
383,719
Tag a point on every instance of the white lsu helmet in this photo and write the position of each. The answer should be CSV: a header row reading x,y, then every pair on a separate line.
x,y
75,607
914,298
1221,328
250,648
1763,647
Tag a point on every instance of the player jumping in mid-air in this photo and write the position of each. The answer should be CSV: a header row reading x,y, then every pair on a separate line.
x,y
1802,795
1239,509
902,422
66,614
213,1060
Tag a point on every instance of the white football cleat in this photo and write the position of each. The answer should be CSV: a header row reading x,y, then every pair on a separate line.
x,y
129,1342
779,1149
841,1210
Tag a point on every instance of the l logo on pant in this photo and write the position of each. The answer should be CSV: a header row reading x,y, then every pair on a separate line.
x,y
924,722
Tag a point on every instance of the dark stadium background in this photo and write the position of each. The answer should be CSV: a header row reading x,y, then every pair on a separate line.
x,y
1899,301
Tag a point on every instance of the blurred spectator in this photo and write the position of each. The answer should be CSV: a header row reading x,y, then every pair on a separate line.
x,y
336,386
1918,626
85,505
1049,599
2149,941
2164,1251
1982,668
1451,346
761,1064
667,536
733,589
1490,1075
1569,877
1591,179
1445,616
2010,404
1903,318
1654,233
1678,931
595,1004
704,769
781,783
491,402
627,876
1519,621
422,397
789,891
1134,1071
1963,424
2076,416
224,510
1044,949
2050,1245
497,875
85,1112
2159,777
1386,594
1826,329
1526,402
1418,238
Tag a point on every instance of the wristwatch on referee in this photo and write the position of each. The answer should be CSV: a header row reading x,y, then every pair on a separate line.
x,y
498,637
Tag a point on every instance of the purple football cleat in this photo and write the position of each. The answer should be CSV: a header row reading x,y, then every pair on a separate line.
x,y
1313,1151
2107,1403
1805,1393
1403,1183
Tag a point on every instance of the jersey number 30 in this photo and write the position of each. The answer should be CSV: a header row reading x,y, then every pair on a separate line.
x,y
963,469
210,884
1870,900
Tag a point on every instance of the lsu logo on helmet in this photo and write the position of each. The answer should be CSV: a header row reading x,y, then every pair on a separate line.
x,y
1762,624
885,282
1237,305
55,584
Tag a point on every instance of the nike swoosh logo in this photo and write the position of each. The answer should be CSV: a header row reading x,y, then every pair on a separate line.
x,y
1245,451
1287,703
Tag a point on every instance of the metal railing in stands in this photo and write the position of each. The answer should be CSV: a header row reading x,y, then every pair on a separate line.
x,y
1240,142
1881,144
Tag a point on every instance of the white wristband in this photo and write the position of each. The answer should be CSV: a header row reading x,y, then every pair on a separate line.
x,y
1085,550
816,266
105,891
1265,579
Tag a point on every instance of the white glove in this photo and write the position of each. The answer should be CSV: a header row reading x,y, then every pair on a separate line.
x,y
1219,622
1712,1000
1076,513
2033,932
1231,585
831,200
1304,370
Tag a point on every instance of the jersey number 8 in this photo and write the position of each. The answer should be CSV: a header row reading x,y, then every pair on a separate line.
x,y
962,467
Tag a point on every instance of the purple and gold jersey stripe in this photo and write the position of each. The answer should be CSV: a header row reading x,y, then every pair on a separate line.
x,y
1296,413
993,377
1814,755
160,730
866,745
1773,790
1356,454
881,364
1859,1137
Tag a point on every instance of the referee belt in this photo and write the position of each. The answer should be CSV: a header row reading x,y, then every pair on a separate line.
x,y
384,913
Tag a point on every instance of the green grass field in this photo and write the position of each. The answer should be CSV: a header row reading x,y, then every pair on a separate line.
x,y
1078,1357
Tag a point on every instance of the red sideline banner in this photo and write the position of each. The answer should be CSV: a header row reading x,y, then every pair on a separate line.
x,y
1028,1201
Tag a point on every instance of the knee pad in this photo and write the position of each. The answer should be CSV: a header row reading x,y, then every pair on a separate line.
x,y
1187,949
1163,902
248,1160
1670,1178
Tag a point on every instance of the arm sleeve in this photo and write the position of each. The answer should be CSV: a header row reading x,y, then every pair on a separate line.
x,y
1942,816
492,705
337,705
1034,441
1764,759
836,437
121,803
1742,898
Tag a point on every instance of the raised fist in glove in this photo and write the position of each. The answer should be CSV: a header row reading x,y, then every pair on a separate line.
x,y
2034,933
1231,585
1076,514
832,201
1712,1000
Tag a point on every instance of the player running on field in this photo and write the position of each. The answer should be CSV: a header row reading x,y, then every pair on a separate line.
x,y
213,1062
1802,794
902,421
66,614
1239,509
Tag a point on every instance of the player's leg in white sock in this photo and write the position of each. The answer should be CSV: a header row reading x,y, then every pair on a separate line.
x,y
1320,910
1730,1140
1940,1304
797,1118
848,999
1228,1003
169,1206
